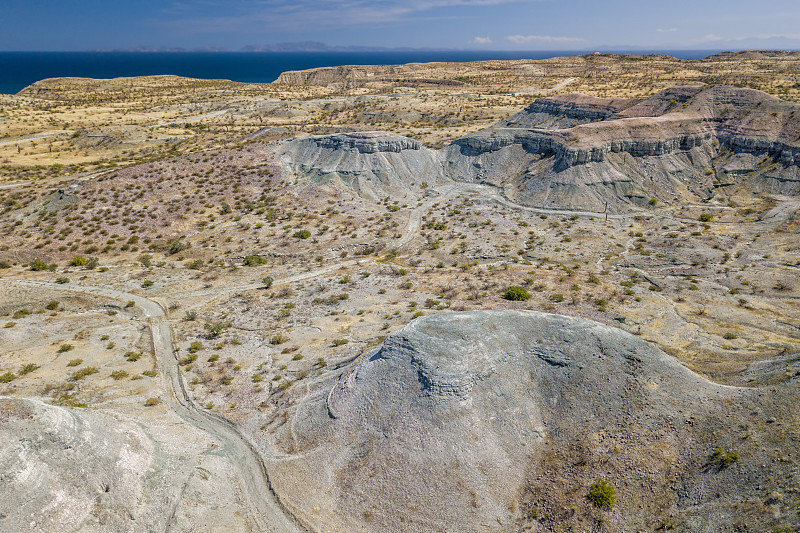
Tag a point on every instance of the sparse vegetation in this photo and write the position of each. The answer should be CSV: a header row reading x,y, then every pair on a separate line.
x,y
516,293
603,494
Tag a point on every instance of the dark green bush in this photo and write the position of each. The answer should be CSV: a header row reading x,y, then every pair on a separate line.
x,y
516,293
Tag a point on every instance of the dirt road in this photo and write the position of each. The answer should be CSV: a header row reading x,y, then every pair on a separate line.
x,y
266,511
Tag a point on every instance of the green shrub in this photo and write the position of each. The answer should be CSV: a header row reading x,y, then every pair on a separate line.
x,y
152,402
267,281
190,315
52,306
119,374
340,342
177,247
75,362
254,260
516,293
27,369
40,264
195,346
132,356
65,348
213,358
302,234
705,217
83,372
725,457
78,261
213,330
8,377
62,280
603,494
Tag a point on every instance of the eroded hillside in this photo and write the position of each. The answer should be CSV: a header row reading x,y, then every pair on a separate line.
x,y
282,314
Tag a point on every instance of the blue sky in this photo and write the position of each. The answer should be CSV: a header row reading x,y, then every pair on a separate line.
x,y
464,24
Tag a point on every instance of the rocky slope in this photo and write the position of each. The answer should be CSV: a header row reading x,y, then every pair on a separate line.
x,y
581,152
370,164
501,420
65,469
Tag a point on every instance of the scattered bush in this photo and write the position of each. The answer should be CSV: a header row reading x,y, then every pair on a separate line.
x,y
603,494
65,348
119,374
177,247
75,362
52,306
151,402
516,293
27,369
40,264
254,260
83,372
302,234
340,342
213,330
267,281
725,457
8,377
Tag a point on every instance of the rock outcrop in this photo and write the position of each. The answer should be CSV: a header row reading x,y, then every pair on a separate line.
x,y
487,420
370,164
78,469
585,153
579,152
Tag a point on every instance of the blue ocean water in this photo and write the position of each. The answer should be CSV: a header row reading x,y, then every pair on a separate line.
x,y
20,69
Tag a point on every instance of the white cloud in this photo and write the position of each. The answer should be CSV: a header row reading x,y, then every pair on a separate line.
x,y
711,37
668,30
527,39
482,40
302,14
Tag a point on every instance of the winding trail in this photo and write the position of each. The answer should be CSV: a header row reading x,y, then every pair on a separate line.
x,y
266,510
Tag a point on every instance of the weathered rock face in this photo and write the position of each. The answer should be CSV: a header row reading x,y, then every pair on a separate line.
x,y
466,421
321,76
63,469
370,164
627,151
580,152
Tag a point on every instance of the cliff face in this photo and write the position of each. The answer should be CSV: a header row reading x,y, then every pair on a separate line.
x,y
627,151
321,76
580,152
370,164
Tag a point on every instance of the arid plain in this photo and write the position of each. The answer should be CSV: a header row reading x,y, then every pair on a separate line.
x,y
199,279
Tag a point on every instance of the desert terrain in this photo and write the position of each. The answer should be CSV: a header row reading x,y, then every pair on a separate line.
x,y
425,297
